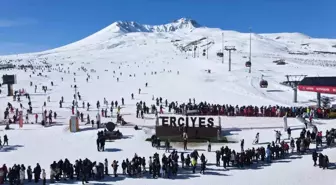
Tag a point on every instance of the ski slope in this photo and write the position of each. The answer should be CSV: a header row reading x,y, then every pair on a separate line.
x,y
139,54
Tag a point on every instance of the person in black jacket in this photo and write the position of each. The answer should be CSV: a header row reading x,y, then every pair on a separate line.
x,y
167,145
85,171
289,132
203,166
106,166
314,156
11,176
123,166
321,160
98,144
37,173
326,162
5,140
29,174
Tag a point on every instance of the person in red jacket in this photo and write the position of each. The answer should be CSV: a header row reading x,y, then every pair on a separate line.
x,y
36,117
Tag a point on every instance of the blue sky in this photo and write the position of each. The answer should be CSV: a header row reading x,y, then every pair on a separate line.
x,y
36,25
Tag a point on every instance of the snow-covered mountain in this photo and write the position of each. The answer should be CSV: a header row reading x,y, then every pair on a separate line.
x,y
173,44
177,25
183,35
186,33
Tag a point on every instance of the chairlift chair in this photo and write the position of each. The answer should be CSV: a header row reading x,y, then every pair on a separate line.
x,y
248,64
263,84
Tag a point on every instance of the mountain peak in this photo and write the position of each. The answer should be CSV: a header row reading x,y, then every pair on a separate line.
x,y
131,26
187,21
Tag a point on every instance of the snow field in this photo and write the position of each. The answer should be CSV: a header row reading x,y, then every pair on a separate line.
x,y
142,53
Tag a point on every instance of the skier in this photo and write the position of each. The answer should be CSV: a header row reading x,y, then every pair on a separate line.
x,y
285,122
203,166
167,144
256,140
122,101
209,146
289,132
98,104
82,116
292,145
193,163
88,106
185,140
36,118
106,167
98,143
132,95
5,140
277,136
88,120
242,145
115,168
111,110
102,113
27,118
139,90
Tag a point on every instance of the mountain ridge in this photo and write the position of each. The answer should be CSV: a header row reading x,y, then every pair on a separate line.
x,y
131,34
185,24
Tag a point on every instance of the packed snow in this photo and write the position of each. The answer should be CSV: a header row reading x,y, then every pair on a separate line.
x,y
159,55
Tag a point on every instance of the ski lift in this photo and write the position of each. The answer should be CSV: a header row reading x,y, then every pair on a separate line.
x,y
263,83
248,64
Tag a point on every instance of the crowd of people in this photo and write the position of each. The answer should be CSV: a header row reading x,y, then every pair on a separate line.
x,y
169,166
205,108
277,150
85,170
16,115
16,175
